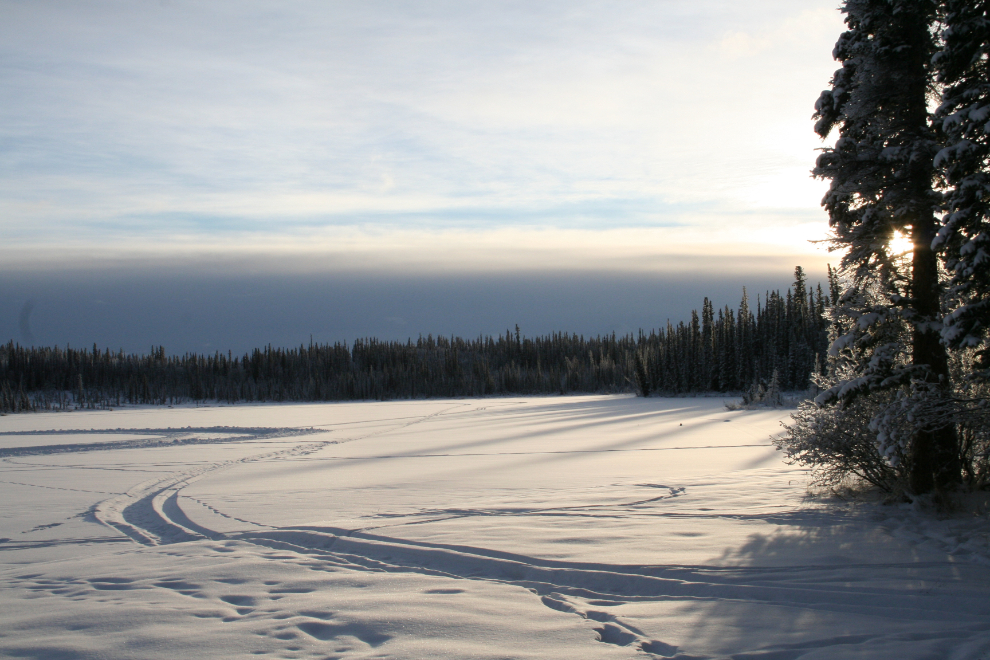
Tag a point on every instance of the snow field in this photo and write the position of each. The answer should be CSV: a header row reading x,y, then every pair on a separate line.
x,y
578,527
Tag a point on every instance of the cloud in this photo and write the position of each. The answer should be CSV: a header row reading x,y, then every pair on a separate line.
x,y
198,304
399,251
138,122
741,44
25,322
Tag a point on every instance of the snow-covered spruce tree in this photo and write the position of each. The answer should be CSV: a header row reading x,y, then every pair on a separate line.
x,y
964,118
841,439
883,183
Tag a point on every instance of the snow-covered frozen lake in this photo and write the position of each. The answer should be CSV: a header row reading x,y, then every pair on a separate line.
x,y
563,527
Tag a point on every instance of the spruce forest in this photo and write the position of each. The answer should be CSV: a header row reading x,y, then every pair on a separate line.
x,y
778,344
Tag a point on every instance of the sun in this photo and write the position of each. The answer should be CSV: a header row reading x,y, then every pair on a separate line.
x,y
901,245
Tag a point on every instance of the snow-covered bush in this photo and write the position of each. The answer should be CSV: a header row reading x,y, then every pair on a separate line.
x,y
836,442
768,395
869,436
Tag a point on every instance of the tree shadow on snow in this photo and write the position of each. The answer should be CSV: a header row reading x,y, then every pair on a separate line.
x,y
841,584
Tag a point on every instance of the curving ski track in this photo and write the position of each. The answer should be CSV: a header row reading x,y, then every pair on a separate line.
x,y
151,514
167,437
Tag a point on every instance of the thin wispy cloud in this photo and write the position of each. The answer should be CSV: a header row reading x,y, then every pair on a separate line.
x,y
125,122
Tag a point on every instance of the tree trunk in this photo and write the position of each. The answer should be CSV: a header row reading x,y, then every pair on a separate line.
x,y
935,463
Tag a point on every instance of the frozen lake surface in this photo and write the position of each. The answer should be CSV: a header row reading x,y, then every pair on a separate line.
x,y
563,527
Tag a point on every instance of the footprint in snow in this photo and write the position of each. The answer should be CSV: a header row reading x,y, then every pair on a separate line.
x,y
656,647
613,634
559,604
238,600
324,616
182,587
612,631
112,584
242,604
292,590
327,631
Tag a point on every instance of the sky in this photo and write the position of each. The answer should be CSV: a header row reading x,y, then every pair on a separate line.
x,y
224,175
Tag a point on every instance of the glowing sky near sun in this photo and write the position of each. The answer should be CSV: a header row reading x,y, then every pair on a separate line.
x,y
150,125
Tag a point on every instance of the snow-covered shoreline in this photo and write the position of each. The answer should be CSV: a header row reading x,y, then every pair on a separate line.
x,y
585,526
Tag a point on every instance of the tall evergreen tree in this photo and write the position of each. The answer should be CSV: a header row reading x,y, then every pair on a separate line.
x,y
964,117
709,380
744,343
883,183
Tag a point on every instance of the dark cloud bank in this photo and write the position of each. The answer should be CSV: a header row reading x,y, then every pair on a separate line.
x,y
193,310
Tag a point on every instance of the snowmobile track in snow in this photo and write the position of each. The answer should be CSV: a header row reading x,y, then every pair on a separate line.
x,y
149,512
168,437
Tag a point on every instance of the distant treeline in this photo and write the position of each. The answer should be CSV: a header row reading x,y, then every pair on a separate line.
x,y
717,351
